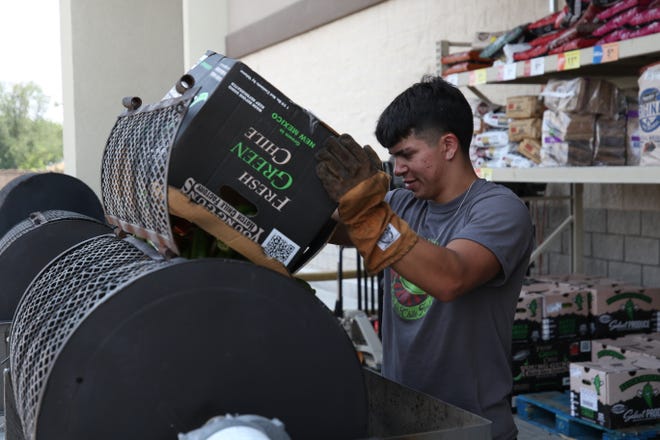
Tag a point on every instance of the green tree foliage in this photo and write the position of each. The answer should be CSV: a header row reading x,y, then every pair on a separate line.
x,y
27,140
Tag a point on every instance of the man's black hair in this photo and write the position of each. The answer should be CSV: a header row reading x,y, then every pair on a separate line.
x,y
430,107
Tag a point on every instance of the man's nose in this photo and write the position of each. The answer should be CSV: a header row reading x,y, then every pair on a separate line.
x,y
399,168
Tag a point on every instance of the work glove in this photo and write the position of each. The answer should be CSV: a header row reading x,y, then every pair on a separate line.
x,y
353,177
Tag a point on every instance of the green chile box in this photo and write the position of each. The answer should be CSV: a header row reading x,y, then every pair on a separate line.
x,y
246,152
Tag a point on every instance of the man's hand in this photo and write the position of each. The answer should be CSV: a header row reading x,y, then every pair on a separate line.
x,y
343,163
353,177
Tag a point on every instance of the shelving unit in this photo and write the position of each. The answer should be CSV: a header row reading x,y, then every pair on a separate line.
x,y
619,59
615,61
595,174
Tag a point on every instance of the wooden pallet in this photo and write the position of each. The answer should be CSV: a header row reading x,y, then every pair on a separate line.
x,y
551,411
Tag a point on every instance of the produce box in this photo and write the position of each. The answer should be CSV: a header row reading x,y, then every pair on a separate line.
x,y
527,320
543,366
616,394
624,347
566,313
231,142
621,309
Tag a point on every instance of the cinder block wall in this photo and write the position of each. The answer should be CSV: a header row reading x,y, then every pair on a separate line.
x,y
618,243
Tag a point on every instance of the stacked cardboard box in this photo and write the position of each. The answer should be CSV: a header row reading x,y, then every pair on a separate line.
x,y
560,318
525,125
550,332
625,347
582,125
620,309
616,393
619,386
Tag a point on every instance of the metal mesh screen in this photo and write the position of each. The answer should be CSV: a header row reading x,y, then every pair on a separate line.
x,y
57,301
34,220
134,170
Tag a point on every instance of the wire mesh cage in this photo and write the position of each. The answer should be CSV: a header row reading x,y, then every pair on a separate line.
x,y
36,219
58,300
135,166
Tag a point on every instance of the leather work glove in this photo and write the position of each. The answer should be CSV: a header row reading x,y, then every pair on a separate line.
x,y
352,176
343,164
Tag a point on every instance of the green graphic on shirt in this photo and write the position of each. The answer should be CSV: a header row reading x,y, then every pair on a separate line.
x,y
408,301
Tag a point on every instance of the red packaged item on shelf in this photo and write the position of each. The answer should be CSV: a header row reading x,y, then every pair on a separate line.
x,y
459,57
618,7
652,28
617,22
545,39
536,51
588,22
617,35
465,66
570,35
544,25
652,13
578,43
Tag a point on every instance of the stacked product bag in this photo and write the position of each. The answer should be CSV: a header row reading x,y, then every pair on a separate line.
x,y
579,24
488,141
491,146
569,123
649,115
633,141
463,62
525,125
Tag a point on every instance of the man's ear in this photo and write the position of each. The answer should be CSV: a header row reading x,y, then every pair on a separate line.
x,y
449,143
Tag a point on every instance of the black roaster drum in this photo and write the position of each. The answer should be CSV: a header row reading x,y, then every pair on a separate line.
x,y
32,243
113,341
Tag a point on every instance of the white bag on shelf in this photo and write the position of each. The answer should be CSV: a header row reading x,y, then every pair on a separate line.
x,y
649,116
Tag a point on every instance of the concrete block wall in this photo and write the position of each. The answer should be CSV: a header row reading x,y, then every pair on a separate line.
x,y
619,244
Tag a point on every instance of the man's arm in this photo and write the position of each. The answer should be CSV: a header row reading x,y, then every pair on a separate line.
x,y
448,272
352,178
443,272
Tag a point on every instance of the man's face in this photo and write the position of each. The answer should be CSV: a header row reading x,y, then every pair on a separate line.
x,y
420,163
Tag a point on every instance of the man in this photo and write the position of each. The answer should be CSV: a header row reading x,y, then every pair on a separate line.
x,y
454,248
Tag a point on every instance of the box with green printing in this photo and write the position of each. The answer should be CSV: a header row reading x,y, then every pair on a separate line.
x,y
617,393
566,313
246,152
620,309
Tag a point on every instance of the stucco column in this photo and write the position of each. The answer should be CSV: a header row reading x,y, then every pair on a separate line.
x,y
112,49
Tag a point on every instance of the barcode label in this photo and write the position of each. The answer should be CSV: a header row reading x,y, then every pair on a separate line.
x,y
588,399
280,247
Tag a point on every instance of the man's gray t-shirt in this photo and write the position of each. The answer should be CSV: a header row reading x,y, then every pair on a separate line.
x,y
460,351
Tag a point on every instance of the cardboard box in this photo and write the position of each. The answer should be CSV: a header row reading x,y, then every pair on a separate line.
x,y
624,347
246,152
619,309
525,106
540,285
528,317
616,394
566,313
531,149
529,128
543,366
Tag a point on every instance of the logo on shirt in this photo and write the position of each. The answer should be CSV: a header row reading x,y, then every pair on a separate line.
x,y
408,301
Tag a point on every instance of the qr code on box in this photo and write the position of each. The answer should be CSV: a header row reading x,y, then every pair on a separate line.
x,y
279,247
